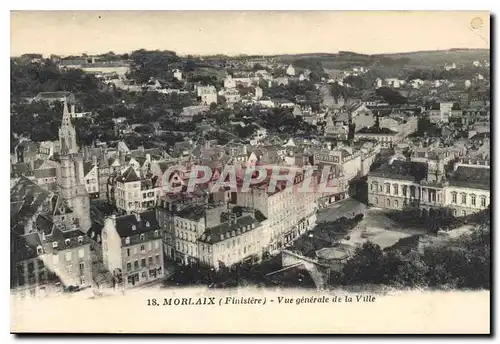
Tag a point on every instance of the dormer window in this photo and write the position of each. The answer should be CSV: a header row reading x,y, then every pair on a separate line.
x,y
134,227
67,241
39,250
127,240
147,223
157,233
54,244
80,239
142,237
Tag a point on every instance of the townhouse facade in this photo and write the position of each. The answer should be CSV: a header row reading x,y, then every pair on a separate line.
x,y
132,249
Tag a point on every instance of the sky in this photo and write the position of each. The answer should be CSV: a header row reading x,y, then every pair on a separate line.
x,y
245,32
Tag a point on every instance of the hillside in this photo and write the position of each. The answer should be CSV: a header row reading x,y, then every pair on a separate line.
x,y
345,59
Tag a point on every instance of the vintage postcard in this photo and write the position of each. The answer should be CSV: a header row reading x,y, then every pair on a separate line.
x,y
318,172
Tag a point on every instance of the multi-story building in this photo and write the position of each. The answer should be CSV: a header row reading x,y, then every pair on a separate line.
x,y
49,251
46,263
468,190
132,248
135,194
208,94
212,234
290,211
406,184
91,177
236,240
388,138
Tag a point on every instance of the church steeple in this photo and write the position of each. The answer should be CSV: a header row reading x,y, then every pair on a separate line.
x,y
67,133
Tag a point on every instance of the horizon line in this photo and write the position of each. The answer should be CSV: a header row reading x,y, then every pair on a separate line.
x,y
184,54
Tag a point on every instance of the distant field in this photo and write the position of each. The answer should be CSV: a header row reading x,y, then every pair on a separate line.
x,y
344,60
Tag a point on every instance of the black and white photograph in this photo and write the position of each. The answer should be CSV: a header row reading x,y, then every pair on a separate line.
x,y
182,163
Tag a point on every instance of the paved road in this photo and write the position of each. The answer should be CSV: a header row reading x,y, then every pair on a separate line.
x,y
343,208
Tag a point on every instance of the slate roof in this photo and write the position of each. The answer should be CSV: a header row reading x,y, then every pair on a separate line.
x,y
124,224
228,230
405,170
23,247
192,212
128,176
471,177
87,167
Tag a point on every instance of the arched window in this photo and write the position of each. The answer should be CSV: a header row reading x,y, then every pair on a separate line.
x,y
374,186
463,198
396,204
464,213
376,200
387,188
387,203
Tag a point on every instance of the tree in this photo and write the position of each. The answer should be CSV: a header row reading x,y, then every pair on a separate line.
x,y
364,266
151,64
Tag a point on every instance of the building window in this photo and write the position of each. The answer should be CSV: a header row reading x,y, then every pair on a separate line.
x,y
54,244
142,236
143,248
473,199
396,204
81,253
483,201
39,250
68,256
136,264
128,252
157,233
405,189
464,213
80,239
127,240
387,203
376,200
396,189
387,188
374,186
157,244
454,197
129,266
143,262
147,224
464,198
150,260
150,246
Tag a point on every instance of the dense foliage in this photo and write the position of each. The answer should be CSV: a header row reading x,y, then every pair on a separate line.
x,y
460,263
